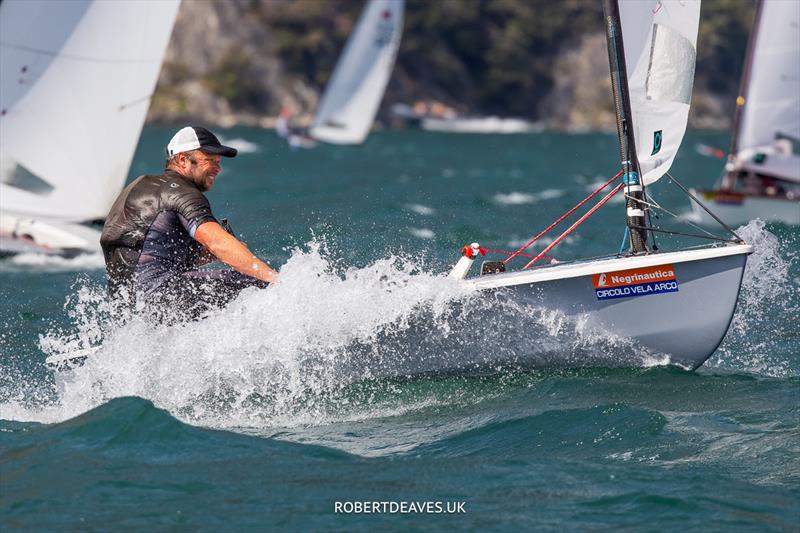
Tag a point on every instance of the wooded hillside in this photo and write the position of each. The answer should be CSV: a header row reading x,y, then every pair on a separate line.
x,y
238,61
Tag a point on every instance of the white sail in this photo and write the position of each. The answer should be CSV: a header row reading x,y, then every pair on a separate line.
x,y
75,84
660,38
772,106
351,99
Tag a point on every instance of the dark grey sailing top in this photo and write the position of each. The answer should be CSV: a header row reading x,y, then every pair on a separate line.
x,y
148,236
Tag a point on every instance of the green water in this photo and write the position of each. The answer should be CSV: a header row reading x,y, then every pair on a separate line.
x,y
249,421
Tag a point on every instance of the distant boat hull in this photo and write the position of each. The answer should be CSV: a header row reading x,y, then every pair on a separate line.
x,y
21,234
480,125
737,209
676,304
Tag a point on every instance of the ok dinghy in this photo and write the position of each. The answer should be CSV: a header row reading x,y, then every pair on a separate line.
x,y
677,303
762,175
75,82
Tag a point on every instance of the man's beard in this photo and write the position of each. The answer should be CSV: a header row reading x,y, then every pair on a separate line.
x,y
204,184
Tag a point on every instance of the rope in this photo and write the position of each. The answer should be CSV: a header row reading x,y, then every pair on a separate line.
x,y
580,221
506,252
562,217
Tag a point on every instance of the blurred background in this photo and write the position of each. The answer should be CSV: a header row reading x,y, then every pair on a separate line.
x,y
240,61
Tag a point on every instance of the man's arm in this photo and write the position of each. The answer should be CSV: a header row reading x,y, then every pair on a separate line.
x,y
233,252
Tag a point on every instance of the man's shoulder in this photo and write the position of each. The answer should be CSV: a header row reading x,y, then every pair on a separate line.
x,y
181,189
165,189
182,195
169,185
148,181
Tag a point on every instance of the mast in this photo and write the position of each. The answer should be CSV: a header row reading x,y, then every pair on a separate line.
x,y
744,83
631,173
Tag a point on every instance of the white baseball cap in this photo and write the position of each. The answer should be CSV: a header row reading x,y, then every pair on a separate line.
x,y
198,138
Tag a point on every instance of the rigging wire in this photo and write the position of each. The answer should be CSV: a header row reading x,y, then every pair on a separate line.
x,y
580,221
562,217
695,235
650,202
656,205
701,204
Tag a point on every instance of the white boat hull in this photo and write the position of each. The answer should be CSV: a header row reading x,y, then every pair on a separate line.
x,y
20,234
737,209
680,306
682,323
480,125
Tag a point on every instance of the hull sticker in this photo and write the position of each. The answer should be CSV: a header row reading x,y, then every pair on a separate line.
x,y
635,282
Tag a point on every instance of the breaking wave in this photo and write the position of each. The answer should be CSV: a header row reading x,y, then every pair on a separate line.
x,y
765,320
325,342
276,357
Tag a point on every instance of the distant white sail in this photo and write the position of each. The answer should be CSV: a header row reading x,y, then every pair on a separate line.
x,y
75,84
351,98
772,91
660,38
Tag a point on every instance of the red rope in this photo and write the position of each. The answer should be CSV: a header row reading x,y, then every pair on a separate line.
x,y
559,219
576,224
514,253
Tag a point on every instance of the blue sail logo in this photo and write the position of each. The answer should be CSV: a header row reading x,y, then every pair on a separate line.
x,y
656,142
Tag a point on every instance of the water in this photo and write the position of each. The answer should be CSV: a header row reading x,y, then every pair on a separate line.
x,y
297,398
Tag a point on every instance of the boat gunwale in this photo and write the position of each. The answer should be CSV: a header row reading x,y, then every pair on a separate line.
x,y
584,267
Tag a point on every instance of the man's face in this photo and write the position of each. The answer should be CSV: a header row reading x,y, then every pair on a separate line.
x,y
202,168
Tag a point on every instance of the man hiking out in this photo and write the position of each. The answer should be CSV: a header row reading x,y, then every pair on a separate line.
x,y
161,229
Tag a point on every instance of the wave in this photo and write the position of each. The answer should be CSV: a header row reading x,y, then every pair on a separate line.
x,y
421,209
760,336
520,198
52,263
422,233
658,417
242,145
318,348
271,356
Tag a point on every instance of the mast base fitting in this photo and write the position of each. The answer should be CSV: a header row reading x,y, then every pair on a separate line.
x,y
492,267
630,178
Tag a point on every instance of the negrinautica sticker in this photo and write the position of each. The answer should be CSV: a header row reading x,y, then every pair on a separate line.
x,y
635,282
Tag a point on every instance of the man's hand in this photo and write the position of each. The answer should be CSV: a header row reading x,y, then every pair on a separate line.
x,y
233,252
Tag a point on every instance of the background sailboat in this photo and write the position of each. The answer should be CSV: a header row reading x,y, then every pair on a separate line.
x,y
350,101
678,303
76,81
762,176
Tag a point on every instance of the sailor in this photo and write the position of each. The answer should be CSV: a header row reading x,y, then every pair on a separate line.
x,y
160,230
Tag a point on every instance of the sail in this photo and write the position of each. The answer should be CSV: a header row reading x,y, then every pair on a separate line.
x,y
75,84
660,39
356,87
772,88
